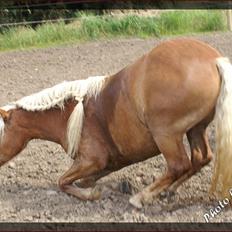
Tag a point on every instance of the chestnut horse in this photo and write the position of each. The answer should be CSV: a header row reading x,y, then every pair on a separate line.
x,y
107,123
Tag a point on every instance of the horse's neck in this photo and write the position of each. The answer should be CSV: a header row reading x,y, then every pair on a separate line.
x,y
106,103
47,125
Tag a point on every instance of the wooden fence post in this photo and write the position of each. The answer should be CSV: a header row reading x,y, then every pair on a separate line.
x,y
229,19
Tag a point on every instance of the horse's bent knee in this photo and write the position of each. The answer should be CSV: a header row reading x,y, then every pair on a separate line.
x,y
62,184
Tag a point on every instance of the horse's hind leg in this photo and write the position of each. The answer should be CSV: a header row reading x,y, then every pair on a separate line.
x,y
178,163
81,168
201,153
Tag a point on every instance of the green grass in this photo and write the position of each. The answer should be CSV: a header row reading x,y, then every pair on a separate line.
x,y
91,27
192,22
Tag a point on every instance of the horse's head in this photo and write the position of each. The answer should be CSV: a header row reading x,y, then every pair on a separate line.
x,y
12,136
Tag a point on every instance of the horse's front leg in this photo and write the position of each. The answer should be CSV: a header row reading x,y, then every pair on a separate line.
x,y
91,180
81,168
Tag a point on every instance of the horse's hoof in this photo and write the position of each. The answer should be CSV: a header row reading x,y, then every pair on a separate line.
x,y
85,184
136,201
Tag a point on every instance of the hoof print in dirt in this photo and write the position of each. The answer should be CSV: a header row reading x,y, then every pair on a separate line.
x,y
125,187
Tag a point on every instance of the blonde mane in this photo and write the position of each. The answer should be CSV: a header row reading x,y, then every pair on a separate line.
x,y
56,97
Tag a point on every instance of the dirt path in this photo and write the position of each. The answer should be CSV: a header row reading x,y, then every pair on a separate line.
x,y
28,183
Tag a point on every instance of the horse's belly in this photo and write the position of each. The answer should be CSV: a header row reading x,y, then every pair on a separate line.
x,y
132,139
135,148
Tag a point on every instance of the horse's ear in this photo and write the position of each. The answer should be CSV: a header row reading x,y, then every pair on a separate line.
x,y
4,114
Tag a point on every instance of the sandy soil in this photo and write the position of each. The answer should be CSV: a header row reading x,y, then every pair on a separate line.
x,y
29,189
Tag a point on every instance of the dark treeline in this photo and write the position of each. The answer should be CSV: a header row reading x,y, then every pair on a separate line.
x,y
23,11
13,11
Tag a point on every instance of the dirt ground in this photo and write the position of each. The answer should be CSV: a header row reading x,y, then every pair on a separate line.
x,y
28,183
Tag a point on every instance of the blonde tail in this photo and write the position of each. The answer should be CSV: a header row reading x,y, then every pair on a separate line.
x,y
222,178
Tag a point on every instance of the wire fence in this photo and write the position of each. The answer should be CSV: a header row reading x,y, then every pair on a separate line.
x,y
37,22
51,4
45,12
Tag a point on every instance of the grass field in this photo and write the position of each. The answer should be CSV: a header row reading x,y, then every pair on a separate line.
x,y
88,27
